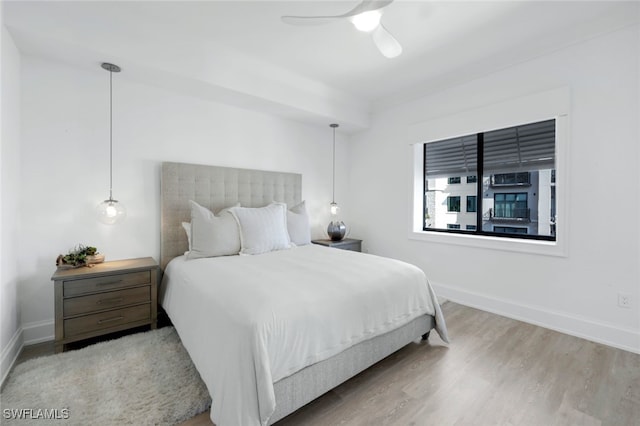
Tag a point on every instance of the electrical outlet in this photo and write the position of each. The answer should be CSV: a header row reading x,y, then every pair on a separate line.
x,y
624,300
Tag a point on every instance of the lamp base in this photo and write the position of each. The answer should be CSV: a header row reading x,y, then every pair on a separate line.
x,y
336,230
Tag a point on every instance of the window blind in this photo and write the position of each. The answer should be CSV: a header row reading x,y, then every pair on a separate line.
x,y
526,147
451,157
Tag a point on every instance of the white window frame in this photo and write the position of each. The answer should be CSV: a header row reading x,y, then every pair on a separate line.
x,y
553,104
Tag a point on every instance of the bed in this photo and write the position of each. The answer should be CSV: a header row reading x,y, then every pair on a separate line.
x,y
270,333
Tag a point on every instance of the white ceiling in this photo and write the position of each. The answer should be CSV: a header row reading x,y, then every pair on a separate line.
x,y
240,52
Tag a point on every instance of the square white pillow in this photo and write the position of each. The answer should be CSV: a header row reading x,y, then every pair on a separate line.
x,y
298,225
262,229
212,235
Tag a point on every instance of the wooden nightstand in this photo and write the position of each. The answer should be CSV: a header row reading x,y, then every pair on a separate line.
x,y
344,244
109,297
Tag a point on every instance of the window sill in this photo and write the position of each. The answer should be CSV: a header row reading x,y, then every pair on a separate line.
x,y
538,247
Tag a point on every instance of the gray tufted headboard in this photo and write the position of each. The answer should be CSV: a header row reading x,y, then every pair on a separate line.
x,y
215,188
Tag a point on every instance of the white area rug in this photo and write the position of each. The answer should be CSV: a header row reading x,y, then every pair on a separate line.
x,y
141,379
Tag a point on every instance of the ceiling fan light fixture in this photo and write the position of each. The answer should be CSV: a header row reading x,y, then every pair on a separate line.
x,y
366,17
367,21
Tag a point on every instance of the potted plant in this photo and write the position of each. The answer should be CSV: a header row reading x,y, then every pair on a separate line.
x,y
79,256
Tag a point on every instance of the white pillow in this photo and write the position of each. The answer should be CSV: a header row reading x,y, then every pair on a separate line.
x,y
212,235
298,225
262,229
187,228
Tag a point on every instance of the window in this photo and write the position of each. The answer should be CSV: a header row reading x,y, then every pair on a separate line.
x,y
510,206
471,227
511,179
453,226
509,230
516,166
471,203
453,204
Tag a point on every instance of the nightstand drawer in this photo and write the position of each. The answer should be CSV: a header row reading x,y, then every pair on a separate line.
x,y
101,301
351,246
89,323
105,283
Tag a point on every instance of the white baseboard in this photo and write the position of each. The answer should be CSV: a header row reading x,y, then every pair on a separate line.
x,y
28,334
618,337
38,332
10,354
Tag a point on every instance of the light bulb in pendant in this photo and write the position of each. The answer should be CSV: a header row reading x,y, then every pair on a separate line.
x,y
110,211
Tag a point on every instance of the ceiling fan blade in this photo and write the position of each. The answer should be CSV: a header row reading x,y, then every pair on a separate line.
x,y
309,20
364,6
367,6
385,42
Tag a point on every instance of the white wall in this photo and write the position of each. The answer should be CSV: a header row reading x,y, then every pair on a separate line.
x,y
10,336
65,165
576,294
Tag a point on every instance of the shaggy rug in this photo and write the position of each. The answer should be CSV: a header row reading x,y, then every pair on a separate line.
x,y
141,379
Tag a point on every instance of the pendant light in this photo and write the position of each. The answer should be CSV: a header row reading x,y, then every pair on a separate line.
x,y
336,228
110,211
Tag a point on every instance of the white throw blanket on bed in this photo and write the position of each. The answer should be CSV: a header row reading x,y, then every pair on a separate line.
x,y
249,321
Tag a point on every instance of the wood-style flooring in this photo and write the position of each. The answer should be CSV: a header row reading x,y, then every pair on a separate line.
x,y
496,371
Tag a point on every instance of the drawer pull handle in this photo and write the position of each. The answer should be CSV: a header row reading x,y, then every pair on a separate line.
x,y
110,282
102,321
111,300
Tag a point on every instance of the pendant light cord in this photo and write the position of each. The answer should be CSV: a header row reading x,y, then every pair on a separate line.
x,y
111,68
110,135
333,189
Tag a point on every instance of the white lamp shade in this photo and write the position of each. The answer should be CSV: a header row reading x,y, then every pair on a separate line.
x,y
110,212
334,208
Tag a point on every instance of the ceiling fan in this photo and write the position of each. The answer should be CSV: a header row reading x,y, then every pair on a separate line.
x,y
365,17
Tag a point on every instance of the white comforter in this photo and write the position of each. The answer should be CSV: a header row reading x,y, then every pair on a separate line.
x,y
249,321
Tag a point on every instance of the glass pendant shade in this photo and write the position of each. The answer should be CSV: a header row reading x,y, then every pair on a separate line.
x,y
110,212
334,208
